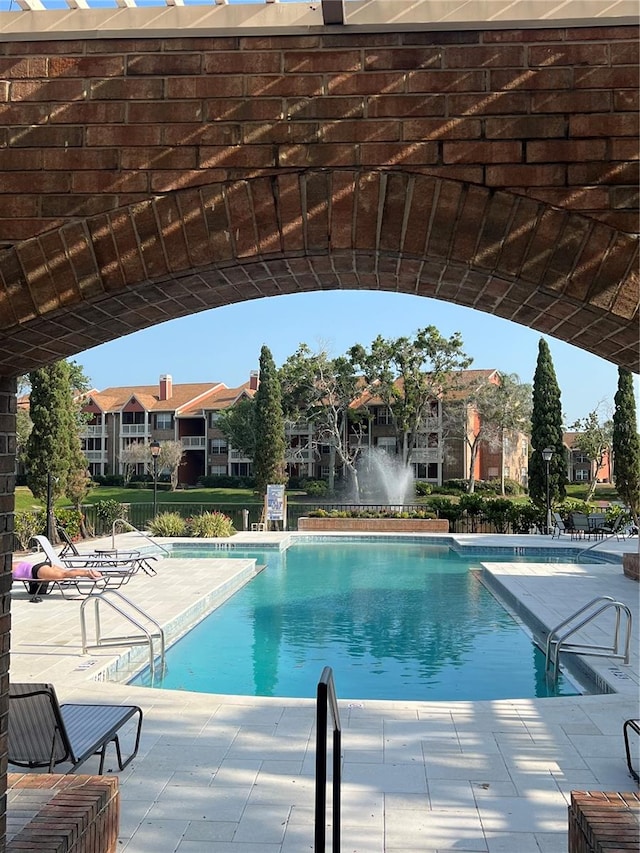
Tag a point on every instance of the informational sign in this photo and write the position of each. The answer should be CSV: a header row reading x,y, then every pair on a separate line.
x,y
275,502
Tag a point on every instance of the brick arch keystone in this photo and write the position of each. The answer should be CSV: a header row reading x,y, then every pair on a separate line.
x,y
95,280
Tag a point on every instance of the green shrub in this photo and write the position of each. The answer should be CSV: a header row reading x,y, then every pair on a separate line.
x,y
472,504
109,480
225,481
168,524
28,524
497,511
108,511
316,488
210,525
423,489
445,508
452,486
370,513
524,516
71,521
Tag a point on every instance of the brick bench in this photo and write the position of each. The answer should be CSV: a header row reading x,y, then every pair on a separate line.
x,y
51,813
601,822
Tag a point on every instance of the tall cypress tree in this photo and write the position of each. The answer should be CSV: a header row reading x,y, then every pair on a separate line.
x,y
546,431
48,447
268,461
626,444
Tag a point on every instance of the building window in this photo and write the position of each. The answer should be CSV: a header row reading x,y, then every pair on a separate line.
x,y
432,471
164,421
581,475
214,417
217,446
382,416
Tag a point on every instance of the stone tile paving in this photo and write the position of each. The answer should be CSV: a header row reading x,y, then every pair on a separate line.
x,y
226,774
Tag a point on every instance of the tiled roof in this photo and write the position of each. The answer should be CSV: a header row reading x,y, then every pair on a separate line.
x,y
465,380
113,399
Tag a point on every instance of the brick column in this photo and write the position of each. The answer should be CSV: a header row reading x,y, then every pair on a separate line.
x,y
8,405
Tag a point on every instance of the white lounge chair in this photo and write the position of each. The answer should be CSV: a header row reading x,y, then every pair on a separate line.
x,y
100,559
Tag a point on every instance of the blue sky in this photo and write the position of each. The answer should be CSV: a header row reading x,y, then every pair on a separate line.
x,y
224,344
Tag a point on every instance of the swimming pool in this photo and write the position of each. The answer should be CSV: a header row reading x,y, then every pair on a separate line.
x,y
395,621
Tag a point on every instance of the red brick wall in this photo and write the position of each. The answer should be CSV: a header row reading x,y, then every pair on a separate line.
x,y
88,126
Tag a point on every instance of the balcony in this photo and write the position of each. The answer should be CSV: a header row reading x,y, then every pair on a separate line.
x,y
238,456
95,455
134,429
91,431
300,454
194,442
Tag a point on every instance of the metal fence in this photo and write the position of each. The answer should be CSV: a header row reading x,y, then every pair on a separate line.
x,y
140,514
242,517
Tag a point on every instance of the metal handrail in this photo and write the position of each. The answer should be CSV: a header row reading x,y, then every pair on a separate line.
x,y
556,641
135,529
326,698
146,636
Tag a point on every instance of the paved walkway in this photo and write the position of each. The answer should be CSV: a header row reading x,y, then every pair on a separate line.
x,y
234,774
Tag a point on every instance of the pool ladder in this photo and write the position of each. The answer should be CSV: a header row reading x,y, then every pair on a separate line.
x,y
591,611
149,634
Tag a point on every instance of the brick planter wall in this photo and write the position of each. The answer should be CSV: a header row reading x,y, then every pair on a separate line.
x,y
631,565
375,525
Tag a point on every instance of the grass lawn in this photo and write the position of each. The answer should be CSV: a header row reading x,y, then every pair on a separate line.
x,y
25,500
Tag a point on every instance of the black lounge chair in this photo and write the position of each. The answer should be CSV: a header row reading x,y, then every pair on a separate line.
x,y
43,733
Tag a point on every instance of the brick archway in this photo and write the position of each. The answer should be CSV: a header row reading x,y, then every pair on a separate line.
x,y
522,138
95,280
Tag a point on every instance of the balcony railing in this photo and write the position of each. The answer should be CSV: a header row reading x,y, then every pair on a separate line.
x,y
134,429
92,430
95,455
194,442
298,455
238,456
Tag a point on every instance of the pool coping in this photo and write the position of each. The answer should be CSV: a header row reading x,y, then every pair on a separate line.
x,y
594,678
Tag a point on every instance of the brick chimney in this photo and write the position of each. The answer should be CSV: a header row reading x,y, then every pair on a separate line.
x,y
166,387
254,377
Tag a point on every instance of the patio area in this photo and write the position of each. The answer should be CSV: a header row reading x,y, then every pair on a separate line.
x,y
235,774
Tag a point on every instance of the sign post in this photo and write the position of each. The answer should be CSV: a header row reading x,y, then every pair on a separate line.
x,y
275,505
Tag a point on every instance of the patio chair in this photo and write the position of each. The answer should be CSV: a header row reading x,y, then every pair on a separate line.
x,y
617,527
43,733
559,526
580,528
635,726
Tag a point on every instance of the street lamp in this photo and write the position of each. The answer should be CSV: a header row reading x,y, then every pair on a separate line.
x,y
547,453
154,447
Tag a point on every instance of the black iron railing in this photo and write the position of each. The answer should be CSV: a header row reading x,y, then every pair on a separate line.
x,y
326,700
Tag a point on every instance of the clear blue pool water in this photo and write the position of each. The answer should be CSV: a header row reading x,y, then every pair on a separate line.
x,y
394,621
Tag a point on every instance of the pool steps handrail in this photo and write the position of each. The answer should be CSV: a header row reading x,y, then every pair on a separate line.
x,y
135,530
594,608
326,699
134,615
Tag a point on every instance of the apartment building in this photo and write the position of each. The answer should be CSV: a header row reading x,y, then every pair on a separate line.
x,y
190,412
119,417
580,467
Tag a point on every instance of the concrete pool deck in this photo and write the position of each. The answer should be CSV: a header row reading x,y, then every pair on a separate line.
x,y
235,774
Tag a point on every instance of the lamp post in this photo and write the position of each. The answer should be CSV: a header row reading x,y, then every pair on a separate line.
x,y
547,453
154,447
